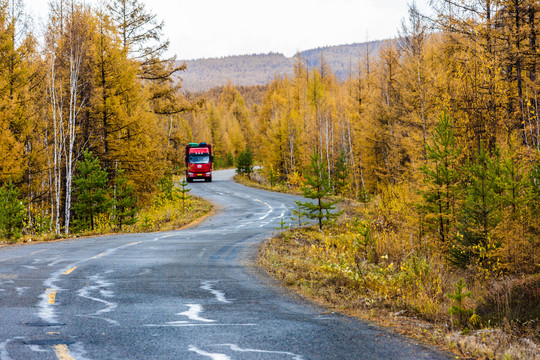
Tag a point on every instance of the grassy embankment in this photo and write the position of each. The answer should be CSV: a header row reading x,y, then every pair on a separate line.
x,y
369,265
159,216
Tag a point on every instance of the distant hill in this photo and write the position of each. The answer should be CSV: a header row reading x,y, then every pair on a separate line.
x,y
249,70
342,59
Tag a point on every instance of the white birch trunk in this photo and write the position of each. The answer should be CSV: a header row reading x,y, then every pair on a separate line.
x,y
58,145
75,60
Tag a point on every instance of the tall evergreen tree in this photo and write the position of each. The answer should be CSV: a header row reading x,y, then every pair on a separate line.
x,y
184,190
244,162
12,212
124,201
480,213
142,37
341,174
441,177
90,192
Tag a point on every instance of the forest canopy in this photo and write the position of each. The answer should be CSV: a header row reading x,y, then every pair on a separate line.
x,y
448,110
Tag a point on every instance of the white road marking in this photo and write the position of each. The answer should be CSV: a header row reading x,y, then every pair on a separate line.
x,y
188,324
270,209
193,313
4,355
220,295
31,267
273,219
45,309
55,262
236,348
207,354
21,290
45,306
99,285
37,348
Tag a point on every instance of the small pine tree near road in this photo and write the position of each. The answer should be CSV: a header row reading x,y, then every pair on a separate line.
x,y
244,163
184,194
90,191
124,209
12,212
298,215
317,187
461,314
168,192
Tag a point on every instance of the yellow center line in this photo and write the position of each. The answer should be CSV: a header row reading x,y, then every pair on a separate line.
x,y
70,271
52,297
62,352
99,255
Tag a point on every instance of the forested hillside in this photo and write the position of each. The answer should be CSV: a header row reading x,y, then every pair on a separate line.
x,y
249,70
245,70
343,59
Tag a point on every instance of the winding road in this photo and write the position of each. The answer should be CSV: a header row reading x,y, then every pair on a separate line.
x,y
186,294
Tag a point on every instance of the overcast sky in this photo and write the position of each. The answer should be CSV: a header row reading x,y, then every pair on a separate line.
x,y
216,28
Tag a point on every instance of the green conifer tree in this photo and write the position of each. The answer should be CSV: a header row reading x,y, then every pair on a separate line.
x,y
12,212
317,187
90,191
441,177
167,190
480,215
184,194
298,215
341,174
244,162
125,199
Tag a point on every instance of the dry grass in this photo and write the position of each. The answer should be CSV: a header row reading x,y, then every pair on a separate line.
x,y
172,215
259,181
163,217
408,295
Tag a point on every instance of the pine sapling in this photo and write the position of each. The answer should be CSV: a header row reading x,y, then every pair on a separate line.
x,y
457,309
184,194
298,215
282,224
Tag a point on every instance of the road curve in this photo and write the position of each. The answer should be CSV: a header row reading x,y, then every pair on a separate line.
x,y
184,294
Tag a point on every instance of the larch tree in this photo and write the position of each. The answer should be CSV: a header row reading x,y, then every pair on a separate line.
x,y
142,37
14,123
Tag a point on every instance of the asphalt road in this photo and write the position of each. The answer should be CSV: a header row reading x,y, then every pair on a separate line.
x,y
188,294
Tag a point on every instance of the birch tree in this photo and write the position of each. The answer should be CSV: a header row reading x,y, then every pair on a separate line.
x,y
68,41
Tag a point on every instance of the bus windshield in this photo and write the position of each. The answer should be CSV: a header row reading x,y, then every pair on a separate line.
x,y
199,159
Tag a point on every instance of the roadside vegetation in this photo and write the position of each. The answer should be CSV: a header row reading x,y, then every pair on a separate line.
x,y
454,262
367,263
100,209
